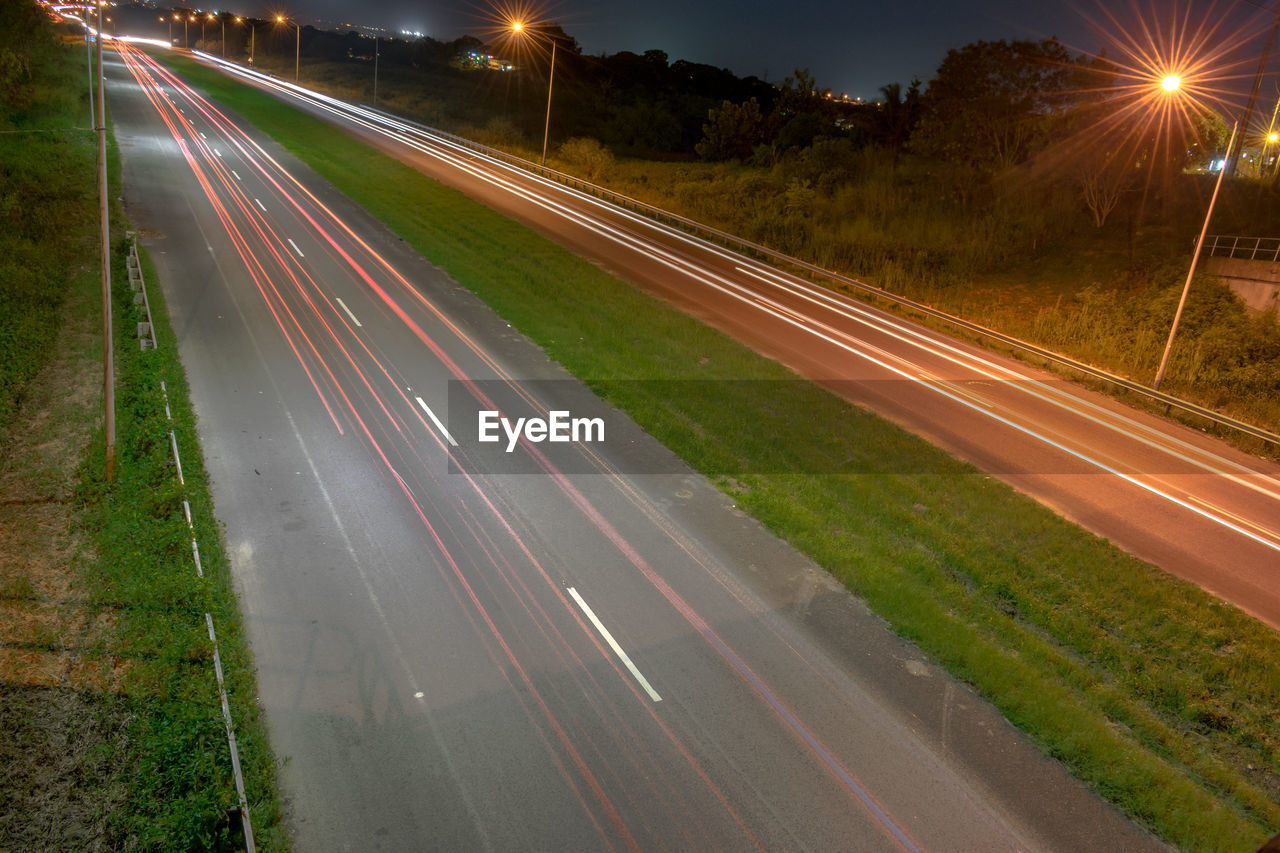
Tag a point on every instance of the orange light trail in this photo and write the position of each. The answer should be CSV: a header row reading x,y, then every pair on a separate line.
x,y
320,311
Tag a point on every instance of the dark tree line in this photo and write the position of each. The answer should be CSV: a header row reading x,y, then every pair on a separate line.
x,y
990,106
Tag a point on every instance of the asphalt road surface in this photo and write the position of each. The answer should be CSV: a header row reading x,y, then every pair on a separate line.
x,y
1190,504
546,661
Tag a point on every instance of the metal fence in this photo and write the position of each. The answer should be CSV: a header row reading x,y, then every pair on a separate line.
x,y
1243,248
804,268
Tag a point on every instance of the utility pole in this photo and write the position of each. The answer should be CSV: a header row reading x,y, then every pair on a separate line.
x,y
1195,259
108,357
551,79
375,71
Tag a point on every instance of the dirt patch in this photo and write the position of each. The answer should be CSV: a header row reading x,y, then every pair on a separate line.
x,y
59,772
64,723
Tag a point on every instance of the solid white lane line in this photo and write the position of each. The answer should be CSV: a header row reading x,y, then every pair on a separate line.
x,y
295,247
348,310
436,421
613,644
259,204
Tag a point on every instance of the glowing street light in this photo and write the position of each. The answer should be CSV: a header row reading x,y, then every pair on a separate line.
x,y
518,28
1171,83
297,53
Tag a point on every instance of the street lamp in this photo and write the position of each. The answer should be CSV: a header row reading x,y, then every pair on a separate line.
x,y
518,28
297,53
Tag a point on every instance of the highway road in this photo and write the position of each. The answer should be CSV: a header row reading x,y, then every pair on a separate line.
x,y
1171,495
551,661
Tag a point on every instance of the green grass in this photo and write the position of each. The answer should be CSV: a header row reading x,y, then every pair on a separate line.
x,y
1020,256
1156,694
162,738
47,198
143,572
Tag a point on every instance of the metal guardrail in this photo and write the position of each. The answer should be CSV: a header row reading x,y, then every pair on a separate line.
x,y
763,252
146,328
1243,248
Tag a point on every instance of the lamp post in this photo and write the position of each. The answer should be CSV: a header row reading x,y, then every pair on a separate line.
x,y
518,28
375,71
297,50
108,356
1195,259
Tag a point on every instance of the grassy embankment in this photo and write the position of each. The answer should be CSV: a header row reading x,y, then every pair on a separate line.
x,y
1021,261
114,731
1159,696
1018,253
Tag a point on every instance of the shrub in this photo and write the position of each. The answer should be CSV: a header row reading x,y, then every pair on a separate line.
x,y
588,156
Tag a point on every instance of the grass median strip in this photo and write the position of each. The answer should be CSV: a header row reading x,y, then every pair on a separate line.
x,y
1155,693
113,735
143,571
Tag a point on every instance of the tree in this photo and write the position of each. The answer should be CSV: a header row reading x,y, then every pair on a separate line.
x,y
1102,183
897,116
994,104
732,131
800,115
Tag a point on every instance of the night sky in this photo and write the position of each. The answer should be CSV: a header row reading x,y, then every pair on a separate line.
x,y
851,46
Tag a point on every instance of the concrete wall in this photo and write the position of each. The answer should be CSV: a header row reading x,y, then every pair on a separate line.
x,y
1256,282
